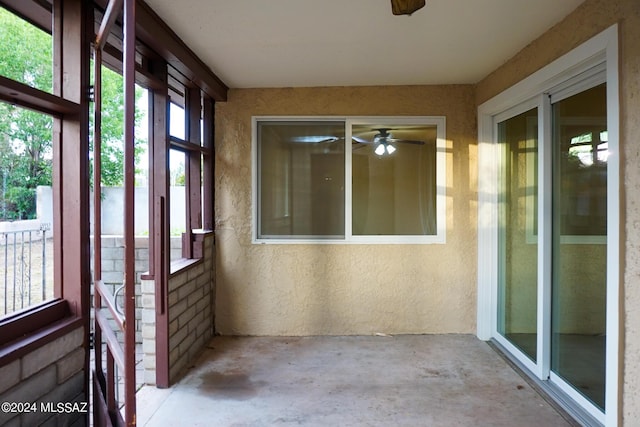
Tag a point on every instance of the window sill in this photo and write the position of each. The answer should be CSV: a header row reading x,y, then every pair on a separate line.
x,y
431,239
23,332
181,265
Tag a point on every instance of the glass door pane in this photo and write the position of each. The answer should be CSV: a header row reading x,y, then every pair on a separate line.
x,y
579,242
518,246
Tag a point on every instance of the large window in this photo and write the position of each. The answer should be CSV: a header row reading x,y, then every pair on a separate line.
x,y
26,241
190,168
40,113
386,185
26,162
43,143
26,52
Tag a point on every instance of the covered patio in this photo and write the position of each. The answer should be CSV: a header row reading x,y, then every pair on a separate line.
x,y
405,380
385,220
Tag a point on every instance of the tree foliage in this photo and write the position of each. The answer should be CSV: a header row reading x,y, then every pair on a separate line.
x,y
112,130
26,152
25,136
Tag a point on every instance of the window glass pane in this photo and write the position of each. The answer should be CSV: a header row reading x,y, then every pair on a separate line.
x,y
26,52
176,121
394,180
518,246
26,208
579,242
582,140
301,179
201,132
112,191
177,214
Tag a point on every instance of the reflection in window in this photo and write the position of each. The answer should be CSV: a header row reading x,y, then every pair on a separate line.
x,y
587,150
301,173
518,200
394,177
579,286
382,184
581,130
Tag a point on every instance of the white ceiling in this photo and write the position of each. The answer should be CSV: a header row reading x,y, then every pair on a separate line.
x,y
284,43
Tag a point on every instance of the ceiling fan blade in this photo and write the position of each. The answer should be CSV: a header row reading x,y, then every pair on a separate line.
x,y
314,139
406,141
359,140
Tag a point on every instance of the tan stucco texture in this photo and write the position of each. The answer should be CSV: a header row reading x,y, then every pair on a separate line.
x,y
363,289
316,289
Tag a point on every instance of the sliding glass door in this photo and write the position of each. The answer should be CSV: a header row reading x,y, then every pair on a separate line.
x,y
580,151
549,228
552,237
518,248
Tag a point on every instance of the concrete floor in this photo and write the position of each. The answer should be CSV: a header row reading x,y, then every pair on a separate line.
x,y
409,380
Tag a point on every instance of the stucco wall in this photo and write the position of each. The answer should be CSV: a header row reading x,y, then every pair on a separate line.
x,y
302,289
590,18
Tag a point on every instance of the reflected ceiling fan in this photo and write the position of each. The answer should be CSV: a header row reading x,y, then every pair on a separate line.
x,y
314,139
384,140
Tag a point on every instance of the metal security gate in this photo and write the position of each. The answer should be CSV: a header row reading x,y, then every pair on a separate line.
x,y
114,381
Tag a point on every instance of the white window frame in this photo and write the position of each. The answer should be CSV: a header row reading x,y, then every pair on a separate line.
x,y
349,238
601,49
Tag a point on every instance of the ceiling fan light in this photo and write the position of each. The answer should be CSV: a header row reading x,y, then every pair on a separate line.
x,y
390,149
406,7
379,149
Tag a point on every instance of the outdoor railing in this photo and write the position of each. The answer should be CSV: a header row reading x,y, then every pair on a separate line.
x,y
23,268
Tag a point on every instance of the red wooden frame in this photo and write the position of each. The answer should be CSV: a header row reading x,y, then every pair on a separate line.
x,y
73,27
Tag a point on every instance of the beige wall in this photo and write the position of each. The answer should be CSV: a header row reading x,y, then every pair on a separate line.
x,y
589,19
348,289
302,289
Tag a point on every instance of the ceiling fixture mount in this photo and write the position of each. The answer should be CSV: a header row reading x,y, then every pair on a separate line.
x,y
406,7
383,145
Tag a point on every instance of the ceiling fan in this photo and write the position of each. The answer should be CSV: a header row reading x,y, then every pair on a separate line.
x,y
383,141
406,7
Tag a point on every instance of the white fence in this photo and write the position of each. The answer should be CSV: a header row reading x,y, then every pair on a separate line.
x,y
113,209
26,247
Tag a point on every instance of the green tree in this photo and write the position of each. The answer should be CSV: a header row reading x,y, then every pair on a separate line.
x,y
26,150
112,173
25,136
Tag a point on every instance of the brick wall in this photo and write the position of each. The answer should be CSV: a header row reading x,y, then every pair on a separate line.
x,y
113,269
191,314
51,373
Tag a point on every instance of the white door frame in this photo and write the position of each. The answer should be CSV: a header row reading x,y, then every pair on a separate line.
x,y
601,49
